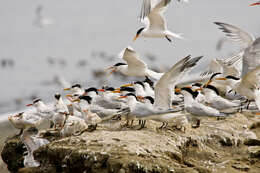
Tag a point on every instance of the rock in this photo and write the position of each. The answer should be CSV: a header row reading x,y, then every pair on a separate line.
x,y
254,151
252,142
12,154
241,167
212,147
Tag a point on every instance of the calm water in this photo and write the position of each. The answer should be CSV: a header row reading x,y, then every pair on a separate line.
x,y
81,28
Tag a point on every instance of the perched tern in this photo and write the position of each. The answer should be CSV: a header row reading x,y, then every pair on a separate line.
x,y
43,110
249,86
195,108
24,120
59,105
75,89
213,99
135,66
163,91
152,15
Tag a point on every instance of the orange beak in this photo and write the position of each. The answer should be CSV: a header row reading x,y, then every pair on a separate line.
x,y
29,104
66,89
254,4
135,37
101,90
198,89
76,100
118,91
207,83
68,95
121,97
127,85
221,78
140,98
177,90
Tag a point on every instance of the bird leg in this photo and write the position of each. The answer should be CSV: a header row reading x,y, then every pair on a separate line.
x,y
248,104
20,133
197,125
162,126
168,38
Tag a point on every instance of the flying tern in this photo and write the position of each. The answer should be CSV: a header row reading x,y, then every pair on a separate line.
x,y
152,14
135,66
251,46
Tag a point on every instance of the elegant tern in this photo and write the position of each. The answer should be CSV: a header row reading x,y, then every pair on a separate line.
x,y
135,66
24,120
251,45
152,15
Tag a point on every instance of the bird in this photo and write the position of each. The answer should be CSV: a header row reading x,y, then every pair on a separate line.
x,y
256,3
193,107
59,105
44,111
163,91
248,86
24,120
152,15
213,99
41,21
250,45
32,142
75,89
135,66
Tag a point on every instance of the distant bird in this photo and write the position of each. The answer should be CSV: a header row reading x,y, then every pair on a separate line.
x,y
41,21
152,14
256,3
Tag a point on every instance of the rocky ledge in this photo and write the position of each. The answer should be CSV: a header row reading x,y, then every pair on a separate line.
x,y
229,145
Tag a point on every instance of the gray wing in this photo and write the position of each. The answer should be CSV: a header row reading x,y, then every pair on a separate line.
x,y
164,87
251,57
236,34
156,15
133,60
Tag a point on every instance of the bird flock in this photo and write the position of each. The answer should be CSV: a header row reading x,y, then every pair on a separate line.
x,y
226,87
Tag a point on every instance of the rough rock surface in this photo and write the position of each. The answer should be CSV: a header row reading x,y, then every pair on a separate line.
x,y
229,145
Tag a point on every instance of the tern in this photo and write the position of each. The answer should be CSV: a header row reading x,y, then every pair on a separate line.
x,y
163,91
248,86
41,21
135,66
75,89
43,110
214,100
251,51
24,120
195,108
152,14
32,142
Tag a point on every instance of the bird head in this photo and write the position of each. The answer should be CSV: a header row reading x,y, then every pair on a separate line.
x,y
116,67
138,33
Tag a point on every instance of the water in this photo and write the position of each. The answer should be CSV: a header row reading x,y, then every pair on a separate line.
x,y
82,27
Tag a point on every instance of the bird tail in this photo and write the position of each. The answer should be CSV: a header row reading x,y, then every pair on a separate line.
x,y
175,35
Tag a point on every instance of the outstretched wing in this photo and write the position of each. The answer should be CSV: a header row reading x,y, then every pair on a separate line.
x,y
133,60
164,87
236,34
